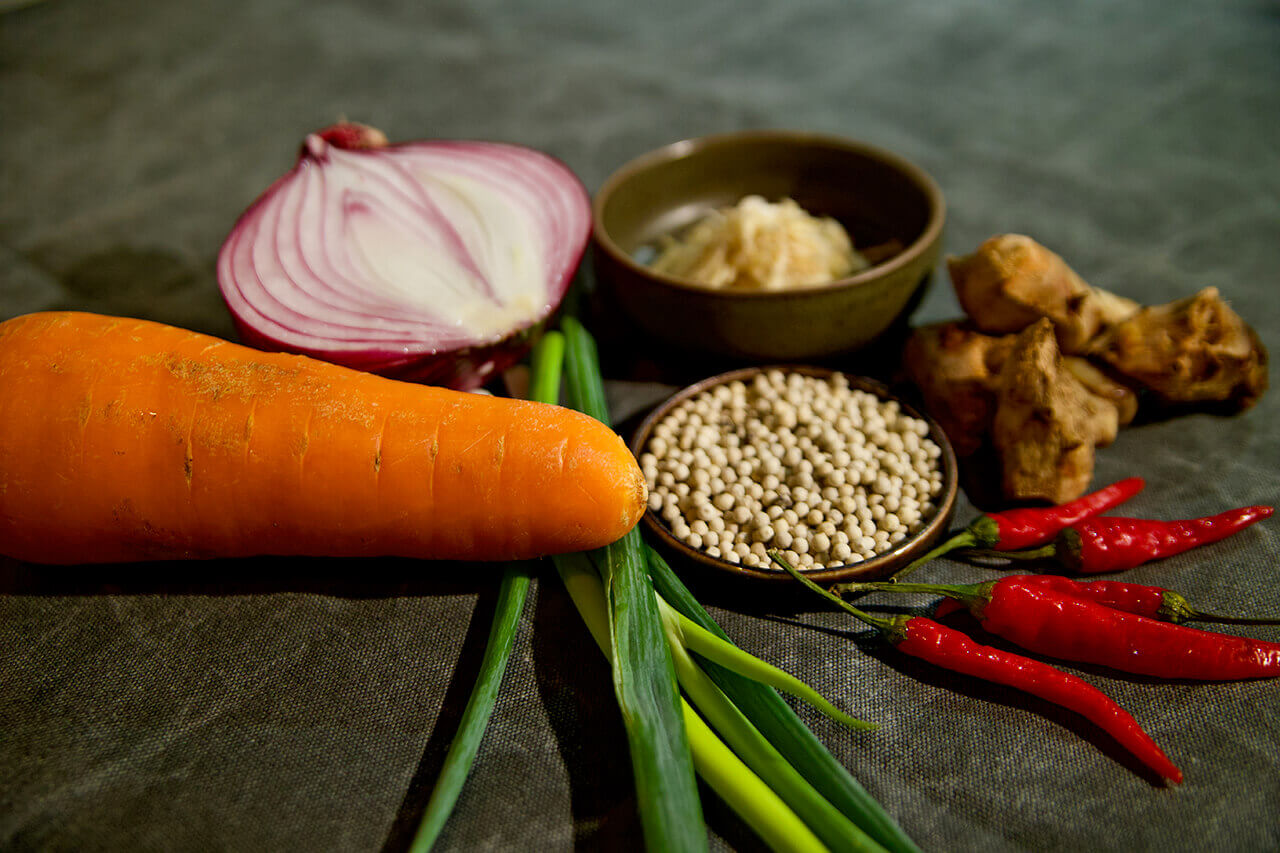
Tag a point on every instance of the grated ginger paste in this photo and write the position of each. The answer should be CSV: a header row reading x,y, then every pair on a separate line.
x,y
758,245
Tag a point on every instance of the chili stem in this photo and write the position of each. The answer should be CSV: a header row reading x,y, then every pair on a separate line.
x,y
1047,552
1198,616
961,592
548,360
963,539
860,615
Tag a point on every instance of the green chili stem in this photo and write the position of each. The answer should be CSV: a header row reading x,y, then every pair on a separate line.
x,y
1046,552
960,592
861,615
968,593
963,539
1200,616
548,360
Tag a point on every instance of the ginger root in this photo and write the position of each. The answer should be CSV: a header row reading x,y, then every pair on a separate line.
x,y
1193,350
1102,386
1045,368
960,372
1047,425
957,370
1011,281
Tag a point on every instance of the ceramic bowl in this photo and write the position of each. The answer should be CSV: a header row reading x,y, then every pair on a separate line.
x,y
877,195
884,563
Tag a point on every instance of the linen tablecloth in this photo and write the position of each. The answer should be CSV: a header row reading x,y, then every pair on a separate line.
x,y
306,704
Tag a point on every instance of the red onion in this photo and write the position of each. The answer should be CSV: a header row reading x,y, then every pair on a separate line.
x,y
433,261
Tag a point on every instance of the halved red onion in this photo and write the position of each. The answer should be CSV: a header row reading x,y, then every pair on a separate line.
x,y
433,261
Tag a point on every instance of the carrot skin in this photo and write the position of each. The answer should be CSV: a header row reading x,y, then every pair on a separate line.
x,y
126,440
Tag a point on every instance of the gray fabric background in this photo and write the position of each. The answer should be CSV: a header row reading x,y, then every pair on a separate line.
x,y
304,705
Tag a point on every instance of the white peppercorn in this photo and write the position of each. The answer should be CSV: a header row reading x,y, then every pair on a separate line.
x,y
827,473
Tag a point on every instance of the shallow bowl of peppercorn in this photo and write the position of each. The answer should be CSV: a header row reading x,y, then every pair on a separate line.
x,y
891,210
844,478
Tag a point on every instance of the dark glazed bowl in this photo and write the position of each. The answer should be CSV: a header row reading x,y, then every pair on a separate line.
x,y
879,566
876,195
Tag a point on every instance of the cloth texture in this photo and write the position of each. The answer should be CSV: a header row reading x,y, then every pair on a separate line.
x,y
283,704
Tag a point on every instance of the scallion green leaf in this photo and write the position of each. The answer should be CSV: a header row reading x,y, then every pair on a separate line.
x,y
726,654
548,360
780,725
747,794
547,368
825,821
643,675
475,717
754,801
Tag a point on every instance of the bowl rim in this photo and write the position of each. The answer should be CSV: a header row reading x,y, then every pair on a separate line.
x,y
878,566
682,148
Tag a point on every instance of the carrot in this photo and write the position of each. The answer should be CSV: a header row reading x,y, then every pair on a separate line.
x,y
125,440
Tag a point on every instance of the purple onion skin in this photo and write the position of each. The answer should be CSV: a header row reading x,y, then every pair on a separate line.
x,y
265,321
459,369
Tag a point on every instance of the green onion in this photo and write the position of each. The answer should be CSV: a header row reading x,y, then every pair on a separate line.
x,y
584,386
643,676
754,801
582,582
548,357
821,818
548,363
780,725
475,717
721,651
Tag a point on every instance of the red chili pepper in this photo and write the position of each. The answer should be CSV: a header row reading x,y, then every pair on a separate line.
x,y
1015,529
954,650
927,640
1108,544
1044,620
1151,601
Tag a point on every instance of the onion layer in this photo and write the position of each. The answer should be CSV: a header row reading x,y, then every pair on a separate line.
x,y
433,261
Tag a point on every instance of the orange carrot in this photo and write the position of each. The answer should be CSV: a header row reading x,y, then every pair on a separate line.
x,y
124,440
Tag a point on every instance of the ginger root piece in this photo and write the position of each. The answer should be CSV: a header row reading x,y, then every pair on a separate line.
x,y
1193,350
1011,281
957,371
1046,369
1047,425
1101,385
